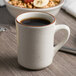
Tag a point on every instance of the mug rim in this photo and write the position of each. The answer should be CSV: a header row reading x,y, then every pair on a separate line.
x,y
36,26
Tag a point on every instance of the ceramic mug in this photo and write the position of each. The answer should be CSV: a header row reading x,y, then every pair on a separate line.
x,y
36,48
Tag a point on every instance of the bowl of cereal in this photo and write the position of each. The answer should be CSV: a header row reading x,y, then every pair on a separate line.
x,y
16,7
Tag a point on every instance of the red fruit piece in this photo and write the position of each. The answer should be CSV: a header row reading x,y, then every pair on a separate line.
x,y
28,1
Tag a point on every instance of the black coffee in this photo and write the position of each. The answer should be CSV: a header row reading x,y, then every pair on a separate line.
x,y
35,22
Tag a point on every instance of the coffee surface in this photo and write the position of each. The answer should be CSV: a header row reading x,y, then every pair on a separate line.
x,y
35,22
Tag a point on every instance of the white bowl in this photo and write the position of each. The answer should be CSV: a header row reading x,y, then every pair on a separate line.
x,y
15,11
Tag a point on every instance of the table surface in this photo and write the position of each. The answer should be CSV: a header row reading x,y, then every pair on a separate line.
x,y
64,63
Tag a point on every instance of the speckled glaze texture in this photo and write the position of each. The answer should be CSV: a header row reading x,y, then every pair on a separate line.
x,y
15,11
36,43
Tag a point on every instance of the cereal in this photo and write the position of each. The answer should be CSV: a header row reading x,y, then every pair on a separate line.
x,y
20,3
29,5
51,4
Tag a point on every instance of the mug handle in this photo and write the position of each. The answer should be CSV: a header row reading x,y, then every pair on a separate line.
x,y
62,27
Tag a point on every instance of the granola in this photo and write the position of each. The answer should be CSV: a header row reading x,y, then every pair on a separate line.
x,y
26,4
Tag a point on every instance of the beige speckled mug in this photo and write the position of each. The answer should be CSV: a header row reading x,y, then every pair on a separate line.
x,y
36,43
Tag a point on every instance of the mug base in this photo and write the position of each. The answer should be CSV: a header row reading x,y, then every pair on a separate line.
x,y
29,69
